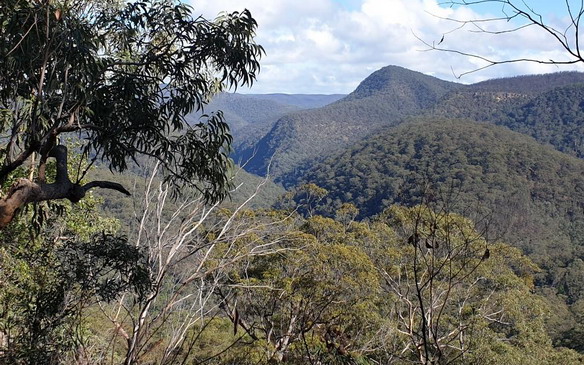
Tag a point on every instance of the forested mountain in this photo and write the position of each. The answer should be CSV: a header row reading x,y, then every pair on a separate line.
x,y
530,84
516,189
250,116
555,118
245,110
500,101
546,107
391,94
483,165
384,98
415,230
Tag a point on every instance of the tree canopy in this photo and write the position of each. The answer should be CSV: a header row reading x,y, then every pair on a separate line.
x,y
122,76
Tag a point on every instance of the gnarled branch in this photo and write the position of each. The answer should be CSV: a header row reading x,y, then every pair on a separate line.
x,y
25,191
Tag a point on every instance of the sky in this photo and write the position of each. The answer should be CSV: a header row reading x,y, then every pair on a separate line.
x,y
330,46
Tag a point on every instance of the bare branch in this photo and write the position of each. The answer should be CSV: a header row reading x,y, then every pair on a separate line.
x,y
568,39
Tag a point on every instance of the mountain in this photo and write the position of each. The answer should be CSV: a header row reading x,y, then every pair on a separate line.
x,y
530,84
524,193
549,108
391,95
384,98
555,118
250,116
499,100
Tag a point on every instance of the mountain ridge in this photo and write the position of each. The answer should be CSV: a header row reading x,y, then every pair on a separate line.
x,y
388,97
383,98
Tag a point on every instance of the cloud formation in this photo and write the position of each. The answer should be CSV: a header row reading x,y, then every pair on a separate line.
x,y
329,46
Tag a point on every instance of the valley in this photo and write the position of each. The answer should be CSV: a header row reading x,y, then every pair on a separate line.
x,y
505,153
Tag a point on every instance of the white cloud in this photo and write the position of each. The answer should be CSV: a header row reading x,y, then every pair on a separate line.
x,y
319,46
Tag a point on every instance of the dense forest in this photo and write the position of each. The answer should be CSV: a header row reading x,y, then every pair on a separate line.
x,y
516,189
512,209
274,286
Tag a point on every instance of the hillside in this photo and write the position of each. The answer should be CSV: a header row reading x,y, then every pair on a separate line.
x,y
249,117
123,207
532,195
530,84
555,118
391,94
478,105
382,99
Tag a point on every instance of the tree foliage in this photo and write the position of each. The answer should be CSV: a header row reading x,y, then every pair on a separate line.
x,y
516,189
410,286
50,277
122,76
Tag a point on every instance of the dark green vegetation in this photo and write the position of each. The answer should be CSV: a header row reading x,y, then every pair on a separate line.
x,y
518,189
546,107
555,118
392,94
489,162
58,259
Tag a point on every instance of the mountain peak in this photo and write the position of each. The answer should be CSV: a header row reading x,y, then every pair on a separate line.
x,y
396,79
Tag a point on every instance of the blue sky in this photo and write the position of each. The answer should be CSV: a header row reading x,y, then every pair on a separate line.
x,y
349,4
329,46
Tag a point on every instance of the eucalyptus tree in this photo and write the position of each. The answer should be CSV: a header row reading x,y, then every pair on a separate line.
x,y
121,76
192,249
455,298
